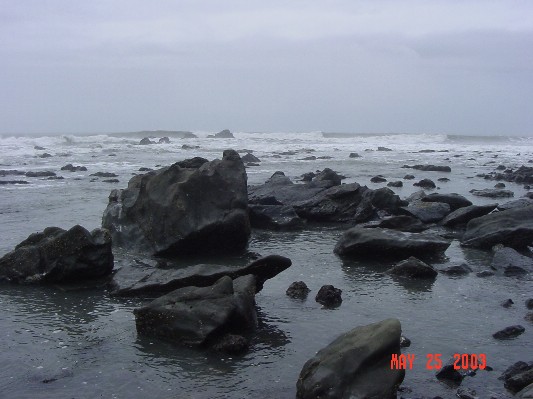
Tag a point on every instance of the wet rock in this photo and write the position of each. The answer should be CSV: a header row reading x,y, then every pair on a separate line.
x,y
224,134
143,169
232,344
378,179
513,228
384,149
429,168
455,201
448,374
354,155
499,185
72,168
39,148
180,210
45,155
523,174
529,317
309,158
361,242
519,381
189,147
164,140
425,183
526,393
492,193
355,365
160,281
462,216
519,203
507,303
413,268
198,316
57,256
250,158
328,175
457,270
5,182
307,177
146,141
298,290
408,177
11,172
104,174
275,217
191,163
402,223
509,262
111,181
485,273
509,332
397,183
427,212
514,369
45,173
404,342
466,393
529,303
329,296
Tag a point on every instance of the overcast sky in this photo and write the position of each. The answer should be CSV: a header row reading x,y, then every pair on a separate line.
x,y
463,67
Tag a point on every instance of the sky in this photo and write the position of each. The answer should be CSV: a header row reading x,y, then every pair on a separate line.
x,y
457,67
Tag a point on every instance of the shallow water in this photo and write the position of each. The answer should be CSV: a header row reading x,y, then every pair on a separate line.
x,y
83,344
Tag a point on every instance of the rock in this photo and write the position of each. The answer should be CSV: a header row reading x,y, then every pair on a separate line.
x,y
485,273
143,169
509,332
327,175
329,296
466,393
427,212
164,140
464,215
307,177
3,182
298,290
404,342
449,374
162,281
232,344
72,168
416,196
146,141
510,263
189,147
104,174
40,174
426,151
519,203
397,183
361,242
507,303
523,174
515,369
355,365
413,268
492,193
178,210
529,317
192,163
443,179
45,155
408,177
275,217
111,181
58,256
39,148
250,158
384,149
224,134
529,303
526,393
457,270
519,381
425,183
354,155
499,185
455,201
513,228
429,168
402,223
378,179
309,158
11,172
197,316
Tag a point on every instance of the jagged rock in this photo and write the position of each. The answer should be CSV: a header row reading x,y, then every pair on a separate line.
x,y
514,369
519,381
526,393
361,242
466,393
183,209
507,303
427,212
404,342
162,281
57,256
298,290
164,140
329,296
224,134
425,183
384,149
464,215
455,201
492,193
510,263
355,365
509,332
146,141
402,223
250,158
513,228
413,268
328,175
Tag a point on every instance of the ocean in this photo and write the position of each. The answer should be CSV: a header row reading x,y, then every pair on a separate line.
x,y
83,344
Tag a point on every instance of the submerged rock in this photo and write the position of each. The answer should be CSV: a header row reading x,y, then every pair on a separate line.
x,y
72,168
329,296
146,141
56,256
509,332
413,268
429,168
355,365
457,270
190,207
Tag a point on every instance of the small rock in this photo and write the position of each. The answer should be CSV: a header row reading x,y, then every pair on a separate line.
x,y
354,155
397,183
443,179
529,317
413,268
457,270
40,174
404,342
298,290
146,141
143,169
329,296
507,303
448,373
225,134
408,177
104,174
425,183
499,185
250,158
45,155
384,149
164,140
378,179
492,193
232,344
111,181
466,393
509,332
529,303
39,148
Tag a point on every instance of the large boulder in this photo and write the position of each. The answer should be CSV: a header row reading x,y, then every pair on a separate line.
x,y
130,281
512,228
509,262
56,256
427,212
355,365
198,316
192,206
378,242
455,201
463,215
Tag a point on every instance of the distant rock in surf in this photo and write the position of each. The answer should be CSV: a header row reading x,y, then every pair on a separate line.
x,y
224,134
146,141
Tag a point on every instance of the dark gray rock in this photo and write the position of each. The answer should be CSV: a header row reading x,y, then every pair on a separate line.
x,y
413,268
4,182
485,273
384,149
250,158
526,393
378,179
466,393
232,344
329,296
355,365
329,176
509,332
111,181
404,342
4,172
198,316
397,183
519,203
45,173
164,140
510,263
361,242
507,303
514,369
429,168
58,256
354,155
425,183
416,196
408,177
443,179
427,212
529,303
462,216
39,148
178,210
298,290
402,223
455,201
72,168
189,147
457,270
492,193
160,281
529,317
450,375
519,381
45,155
499,185
275,217
104,174
192,163
513,228
224,134
146,141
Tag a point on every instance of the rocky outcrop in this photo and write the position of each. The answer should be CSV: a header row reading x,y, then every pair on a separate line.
x,y
56,256
512,228
429,168
198,316
355,365
509,332
524,174
377,242
462,216
224,134
249,157
146,141
413,268
192,206
492,193
130,281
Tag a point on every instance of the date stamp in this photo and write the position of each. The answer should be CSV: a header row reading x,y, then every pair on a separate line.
x,y
461,361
